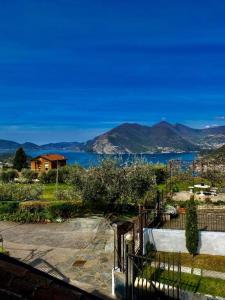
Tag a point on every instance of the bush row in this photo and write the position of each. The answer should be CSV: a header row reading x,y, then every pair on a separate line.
x,y
18,192
38,211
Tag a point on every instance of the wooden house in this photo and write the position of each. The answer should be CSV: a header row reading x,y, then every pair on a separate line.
x,y
46,162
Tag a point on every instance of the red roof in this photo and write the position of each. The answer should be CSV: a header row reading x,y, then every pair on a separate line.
x,y
51,157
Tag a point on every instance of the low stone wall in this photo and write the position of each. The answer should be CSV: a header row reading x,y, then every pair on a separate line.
x,y
168,240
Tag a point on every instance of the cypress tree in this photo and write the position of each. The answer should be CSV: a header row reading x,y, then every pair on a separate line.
x,y
20,160
191,227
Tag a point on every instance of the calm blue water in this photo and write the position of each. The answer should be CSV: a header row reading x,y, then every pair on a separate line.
x,y
92,159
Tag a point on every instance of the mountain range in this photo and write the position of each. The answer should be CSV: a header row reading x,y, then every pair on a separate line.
x,y
136,138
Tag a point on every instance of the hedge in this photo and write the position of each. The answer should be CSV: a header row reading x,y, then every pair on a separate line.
x,y
38,211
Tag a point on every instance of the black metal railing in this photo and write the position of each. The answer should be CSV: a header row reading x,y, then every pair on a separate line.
x,y
206,221
153,277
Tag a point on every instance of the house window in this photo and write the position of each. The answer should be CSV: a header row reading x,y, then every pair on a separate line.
x,y
46,166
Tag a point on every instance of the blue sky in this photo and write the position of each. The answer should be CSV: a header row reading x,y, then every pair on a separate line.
x,y
72,69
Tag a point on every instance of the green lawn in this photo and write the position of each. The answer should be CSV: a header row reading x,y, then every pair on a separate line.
x,y
201,261
50,189
189,282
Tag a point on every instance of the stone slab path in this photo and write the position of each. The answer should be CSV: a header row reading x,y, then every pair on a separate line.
x,y
79,251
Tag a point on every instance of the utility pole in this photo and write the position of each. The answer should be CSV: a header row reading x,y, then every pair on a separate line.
x,y
193,172
170,164
57,176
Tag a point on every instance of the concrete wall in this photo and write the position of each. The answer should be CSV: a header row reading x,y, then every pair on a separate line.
x,y
174,241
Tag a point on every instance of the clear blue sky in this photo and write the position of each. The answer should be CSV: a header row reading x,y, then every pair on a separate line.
x,y
71,69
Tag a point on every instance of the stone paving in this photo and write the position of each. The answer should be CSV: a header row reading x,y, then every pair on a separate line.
x,y
79,251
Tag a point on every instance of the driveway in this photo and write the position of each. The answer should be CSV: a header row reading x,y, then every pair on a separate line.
x,y
79,251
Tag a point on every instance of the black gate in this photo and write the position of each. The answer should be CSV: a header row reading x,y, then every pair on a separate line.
x,y
156,276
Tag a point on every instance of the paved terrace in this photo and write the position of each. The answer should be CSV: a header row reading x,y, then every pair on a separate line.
x,y
79,251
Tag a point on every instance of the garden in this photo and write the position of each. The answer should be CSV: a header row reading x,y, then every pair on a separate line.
x,y
109,188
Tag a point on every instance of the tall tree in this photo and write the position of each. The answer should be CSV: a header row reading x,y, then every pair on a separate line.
x,y
191,227
20,160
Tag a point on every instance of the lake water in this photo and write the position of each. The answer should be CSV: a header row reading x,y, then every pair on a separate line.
x,y
92,159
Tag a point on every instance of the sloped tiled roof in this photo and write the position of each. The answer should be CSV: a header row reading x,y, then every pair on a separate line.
x,y
21,281
51,157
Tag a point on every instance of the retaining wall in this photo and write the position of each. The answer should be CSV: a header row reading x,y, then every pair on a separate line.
x,y
174,241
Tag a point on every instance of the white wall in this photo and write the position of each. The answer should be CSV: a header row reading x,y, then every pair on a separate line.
x,y
174,241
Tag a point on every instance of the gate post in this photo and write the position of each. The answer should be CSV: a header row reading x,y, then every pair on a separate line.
x,y
141,215
129,267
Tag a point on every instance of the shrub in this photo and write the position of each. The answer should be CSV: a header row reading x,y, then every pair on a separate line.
x,y
20,192
67,194
149,249
29,175
38,211
8,207
9,175
62,210
191,227
51,175
23,216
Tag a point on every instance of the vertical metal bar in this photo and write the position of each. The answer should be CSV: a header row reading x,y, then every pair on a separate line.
x,y
114,249
173,276
126,275
159,271
168,266
122,254
132,279
142,278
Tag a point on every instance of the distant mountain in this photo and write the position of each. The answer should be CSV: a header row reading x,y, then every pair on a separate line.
x,y
75,146
12,146
30,146
8,145
207,138
136,138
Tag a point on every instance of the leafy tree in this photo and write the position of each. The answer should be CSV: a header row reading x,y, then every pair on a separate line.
x,y
94,191
191,227
75,176
161,174
20,160
141,179
111,186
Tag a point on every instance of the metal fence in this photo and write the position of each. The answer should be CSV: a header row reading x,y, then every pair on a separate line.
x,y
212,221
153,277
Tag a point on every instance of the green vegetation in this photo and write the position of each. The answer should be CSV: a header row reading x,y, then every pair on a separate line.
x,y
200,261
39,211
191,227
20,192
20,160
9,175
49,191
189,282
107,188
